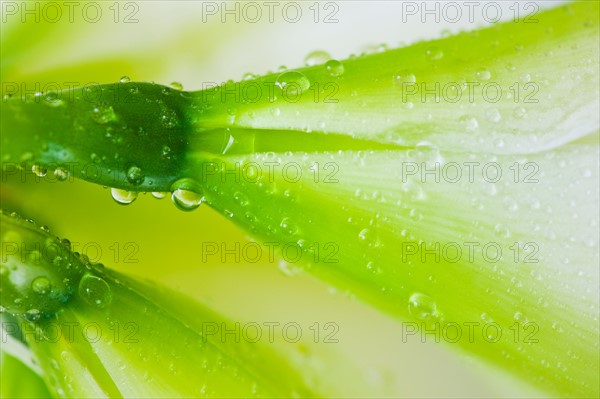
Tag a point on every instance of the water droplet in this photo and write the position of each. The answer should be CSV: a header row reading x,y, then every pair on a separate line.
x,y
373,268
334,68
250,217
135,175
240,198
493,115
518,316
365,235
317,58
61,173
33,315
288,227
39,170
483,74
422,307
103,114
123,197
249,76
469,122
176,85
186,200
166,152
53,99
486,317
404,78
159,194
169,119
292,83
124,79
95,291
40,285
433,54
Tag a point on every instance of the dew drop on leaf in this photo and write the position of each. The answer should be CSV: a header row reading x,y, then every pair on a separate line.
x,y
364,234
518,316
334,68
486,317
317,58
61,173
292,83
250,217
33,315
434,54
124,79
103,114
123,197
169,119
186,200
40,285
483,74
176,85
53,99
166,152
422,307
404,78
159,194
240,198
95,291
288,227
39,170
135,175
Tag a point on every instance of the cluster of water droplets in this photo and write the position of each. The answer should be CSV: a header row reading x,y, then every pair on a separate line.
x,y
181,195
58,173
39,284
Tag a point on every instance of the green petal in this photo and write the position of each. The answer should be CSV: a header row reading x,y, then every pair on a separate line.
x,y
357,205
98,333
19,381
